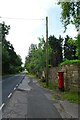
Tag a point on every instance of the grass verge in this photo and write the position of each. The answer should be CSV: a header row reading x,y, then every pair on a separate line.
x,y
71,96
30,75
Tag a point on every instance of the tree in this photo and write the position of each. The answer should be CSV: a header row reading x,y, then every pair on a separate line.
x,y
56,45
78,45
35,60
11,62
5,30
70,13
70,48
0,49
5,61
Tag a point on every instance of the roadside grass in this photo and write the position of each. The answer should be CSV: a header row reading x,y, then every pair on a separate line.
x,y
50,86
71,96
31,75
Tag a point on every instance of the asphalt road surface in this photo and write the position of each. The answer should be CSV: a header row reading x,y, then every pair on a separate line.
x,y
31,103
9,84
40,104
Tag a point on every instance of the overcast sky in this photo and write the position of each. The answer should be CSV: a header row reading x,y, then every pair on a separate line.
x,y
26,30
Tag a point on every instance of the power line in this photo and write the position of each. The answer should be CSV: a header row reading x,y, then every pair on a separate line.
x,y
21,18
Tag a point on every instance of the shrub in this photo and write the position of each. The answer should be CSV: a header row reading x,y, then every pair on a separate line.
x,y
70,62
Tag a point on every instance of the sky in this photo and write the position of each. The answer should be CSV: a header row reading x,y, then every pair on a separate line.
x,y
27,19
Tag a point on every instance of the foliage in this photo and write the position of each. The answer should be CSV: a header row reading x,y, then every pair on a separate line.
x,y
35,61
11,62
71,96
70,13
56,46
70,49
78,45
5,30
70,62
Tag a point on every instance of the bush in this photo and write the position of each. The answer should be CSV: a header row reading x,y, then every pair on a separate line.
x,y
70,62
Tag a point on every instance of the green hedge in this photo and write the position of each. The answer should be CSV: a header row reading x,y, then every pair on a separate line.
x,y
70,62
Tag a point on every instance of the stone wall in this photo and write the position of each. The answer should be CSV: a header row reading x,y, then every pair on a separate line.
x,y
53,78
71,76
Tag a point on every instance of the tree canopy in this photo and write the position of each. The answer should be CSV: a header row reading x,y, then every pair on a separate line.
x,y
11,62
70,13
56,45
36,59
70,49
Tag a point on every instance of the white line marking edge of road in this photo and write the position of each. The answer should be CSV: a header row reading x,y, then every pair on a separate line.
x,y
15,88
9,95
2,106
17,85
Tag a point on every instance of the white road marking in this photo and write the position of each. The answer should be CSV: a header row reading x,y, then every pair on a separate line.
x,y
17,85
9,95
2,106
14,88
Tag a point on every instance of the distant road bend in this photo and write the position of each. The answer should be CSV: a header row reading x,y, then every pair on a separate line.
x,y
9,83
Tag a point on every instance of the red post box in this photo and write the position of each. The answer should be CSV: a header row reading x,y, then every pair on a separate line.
x,y
61,80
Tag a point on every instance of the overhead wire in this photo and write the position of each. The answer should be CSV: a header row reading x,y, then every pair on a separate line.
x,y
21,18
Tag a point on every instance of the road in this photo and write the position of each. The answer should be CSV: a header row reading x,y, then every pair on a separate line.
x,y
40,104
30,101
9,83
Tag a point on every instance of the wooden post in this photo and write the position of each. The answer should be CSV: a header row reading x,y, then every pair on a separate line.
x,y
47,51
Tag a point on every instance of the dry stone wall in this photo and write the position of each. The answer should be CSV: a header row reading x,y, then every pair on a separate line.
x,y
71,76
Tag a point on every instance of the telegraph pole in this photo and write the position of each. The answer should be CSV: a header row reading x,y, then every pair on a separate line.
x,y
47,51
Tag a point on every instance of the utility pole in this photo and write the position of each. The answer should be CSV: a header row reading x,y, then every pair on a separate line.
x,y
47,51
